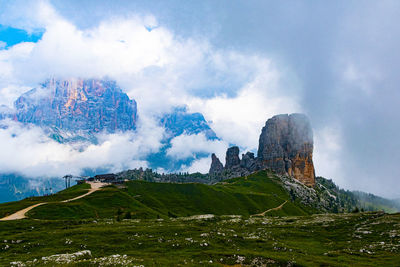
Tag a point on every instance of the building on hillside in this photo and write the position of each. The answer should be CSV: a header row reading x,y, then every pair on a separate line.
x,y
108,178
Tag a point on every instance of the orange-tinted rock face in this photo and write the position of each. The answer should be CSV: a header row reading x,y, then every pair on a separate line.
x,y
286,146
76,104
302,168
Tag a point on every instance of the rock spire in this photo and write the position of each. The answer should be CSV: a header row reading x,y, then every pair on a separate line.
x,y
285,146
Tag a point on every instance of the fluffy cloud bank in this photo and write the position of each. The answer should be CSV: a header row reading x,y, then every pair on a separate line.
x,y
184,146
28,151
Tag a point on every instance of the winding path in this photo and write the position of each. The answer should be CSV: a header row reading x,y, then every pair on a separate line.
x,y
94,188
21,214
276,208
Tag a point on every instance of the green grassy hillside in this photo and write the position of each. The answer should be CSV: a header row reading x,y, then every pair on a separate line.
x,y
139,199
347,200
11,207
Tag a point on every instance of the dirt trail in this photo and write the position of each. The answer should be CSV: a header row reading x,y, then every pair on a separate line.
x,y
21,214
94,188
277,208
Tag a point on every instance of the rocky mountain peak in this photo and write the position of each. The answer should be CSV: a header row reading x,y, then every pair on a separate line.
x,y
76,104
285,146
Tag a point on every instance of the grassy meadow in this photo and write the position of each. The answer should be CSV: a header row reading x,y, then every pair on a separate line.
x,y
362,239
164,224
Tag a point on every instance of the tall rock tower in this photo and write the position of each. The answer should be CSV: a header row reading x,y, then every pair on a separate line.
x,y
286,146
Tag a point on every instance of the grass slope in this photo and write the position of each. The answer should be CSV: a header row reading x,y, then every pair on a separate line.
x,y
12,207
240,196
363,239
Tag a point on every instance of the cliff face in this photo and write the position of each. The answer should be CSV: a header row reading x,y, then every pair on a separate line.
x,y
216,165
76,104
285,146
232,157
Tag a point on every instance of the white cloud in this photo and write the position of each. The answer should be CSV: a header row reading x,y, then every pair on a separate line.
x,y
185,146
238,120
27,150
201,165
145,63
359,78
327,154
29,15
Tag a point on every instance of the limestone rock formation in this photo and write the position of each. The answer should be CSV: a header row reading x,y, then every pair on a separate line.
x,y
249,162
232,157
78,105
286,147
216,165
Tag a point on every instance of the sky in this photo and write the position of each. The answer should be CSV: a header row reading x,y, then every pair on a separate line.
x,y
237,62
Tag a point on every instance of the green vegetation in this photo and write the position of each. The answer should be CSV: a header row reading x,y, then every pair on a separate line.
x,y
11,207
105,203
359,239
239,196
182,177
370,202
348,201
169,224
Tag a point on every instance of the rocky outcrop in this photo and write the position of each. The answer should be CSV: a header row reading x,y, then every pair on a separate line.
x,y
78,105
285,146
216,165
232,157
249,162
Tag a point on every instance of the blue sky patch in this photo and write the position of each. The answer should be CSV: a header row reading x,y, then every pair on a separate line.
x,y
11,36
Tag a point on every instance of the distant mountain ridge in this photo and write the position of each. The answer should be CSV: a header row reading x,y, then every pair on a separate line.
x,y
15,187
78,105
179,121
